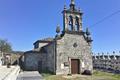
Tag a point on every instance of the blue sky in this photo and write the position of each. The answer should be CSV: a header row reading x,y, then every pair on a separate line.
x,y
23,22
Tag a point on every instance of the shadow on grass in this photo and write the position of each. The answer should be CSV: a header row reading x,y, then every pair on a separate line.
x,y
46,73
112,76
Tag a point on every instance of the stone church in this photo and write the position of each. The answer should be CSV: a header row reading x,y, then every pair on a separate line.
x,y
68,53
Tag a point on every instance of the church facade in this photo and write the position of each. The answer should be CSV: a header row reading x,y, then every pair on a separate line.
x,y
68,53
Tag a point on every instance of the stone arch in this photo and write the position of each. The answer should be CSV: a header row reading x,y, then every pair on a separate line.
x,y
70,23
77,26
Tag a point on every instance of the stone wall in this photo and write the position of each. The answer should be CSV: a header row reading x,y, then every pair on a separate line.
x,y
50,58
35,61
73,47
107,63
41,58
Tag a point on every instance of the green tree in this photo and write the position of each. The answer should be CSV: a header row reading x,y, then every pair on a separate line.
x,y
5,46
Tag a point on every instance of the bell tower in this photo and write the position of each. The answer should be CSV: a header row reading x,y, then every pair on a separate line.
x,y
72,18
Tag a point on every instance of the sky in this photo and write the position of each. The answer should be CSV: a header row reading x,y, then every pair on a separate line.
x,y
22,22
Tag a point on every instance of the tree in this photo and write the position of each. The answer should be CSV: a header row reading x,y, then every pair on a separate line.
x,y
5,46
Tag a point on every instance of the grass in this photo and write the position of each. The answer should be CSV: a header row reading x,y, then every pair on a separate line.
x,y
97,75
106,76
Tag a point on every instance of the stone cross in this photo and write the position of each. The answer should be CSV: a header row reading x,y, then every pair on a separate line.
x,y
72,2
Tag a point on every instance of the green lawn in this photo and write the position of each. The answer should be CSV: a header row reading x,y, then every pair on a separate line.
x,y
97,75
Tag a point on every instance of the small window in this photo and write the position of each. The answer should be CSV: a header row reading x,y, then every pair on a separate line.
x,y
75,45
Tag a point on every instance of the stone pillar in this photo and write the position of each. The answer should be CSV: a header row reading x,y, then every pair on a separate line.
x,y
65,22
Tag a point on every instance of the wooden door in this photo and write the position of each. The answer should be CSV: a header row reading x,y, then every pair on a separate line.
x,y
75,66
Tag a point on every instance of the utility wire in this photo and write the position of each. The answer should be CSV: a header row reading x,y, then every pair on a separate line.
x,y
107,17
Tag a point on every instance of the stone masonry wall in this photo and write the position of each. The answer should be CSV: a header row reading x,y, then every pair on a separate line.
x,y
50,60
107,63
35,61
66,51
